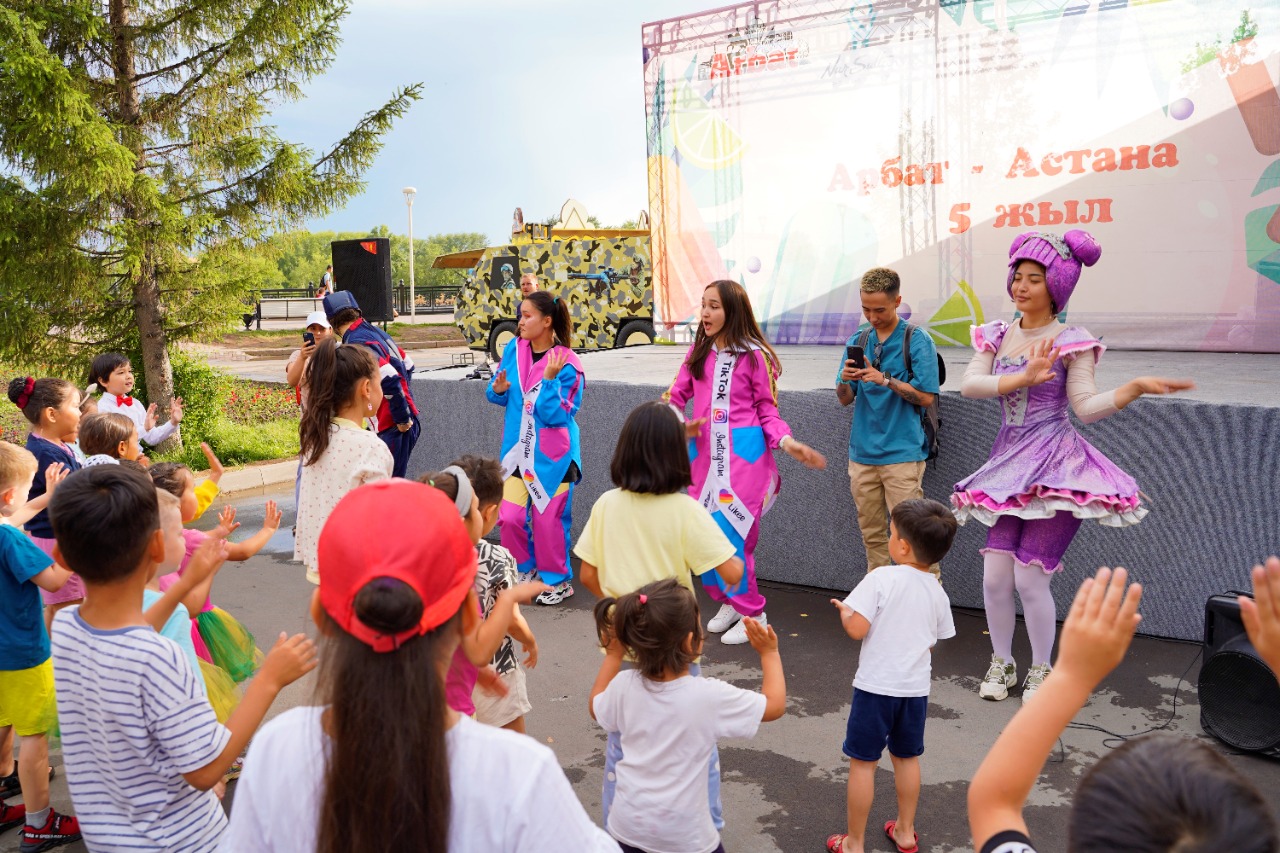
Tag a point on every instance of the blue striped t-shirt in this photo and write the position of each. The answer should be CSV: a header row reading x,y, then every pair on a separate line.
x,y
134,719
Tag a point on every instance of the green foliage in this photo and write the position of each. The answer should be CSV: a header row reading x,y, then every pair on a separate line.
x,y
1203,54
139,168
204,391
301,256
240,444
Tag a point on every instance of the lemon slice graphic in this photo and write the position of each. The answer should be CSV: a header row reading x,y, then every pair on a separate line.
x,y
949,325
703,138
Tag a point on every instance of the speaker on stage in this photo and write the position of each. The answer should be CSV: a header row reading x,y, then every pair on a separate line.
x,y
364,268
1239,695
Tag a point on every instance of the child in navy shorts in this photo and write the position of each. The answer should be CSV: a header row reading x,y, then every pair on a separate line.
x,y
898,612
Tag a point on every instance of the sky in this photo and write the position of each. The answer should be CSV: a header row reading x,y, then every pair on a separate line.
x,y
524,104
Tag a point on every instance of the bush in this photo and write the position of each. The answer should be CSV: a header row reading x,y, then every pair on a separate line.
x,y
204,391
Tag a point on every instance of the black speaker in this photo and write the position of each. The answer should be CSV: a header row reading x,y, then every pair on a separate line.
x,y
1239,695
364,268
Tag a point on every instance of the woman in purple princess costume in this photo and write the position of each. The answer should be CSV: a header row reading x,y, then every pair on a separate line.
x,y
1043,479
730,373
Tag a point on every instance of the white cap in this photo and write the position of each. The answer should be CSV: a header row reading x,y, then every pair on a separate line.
x,y
317,318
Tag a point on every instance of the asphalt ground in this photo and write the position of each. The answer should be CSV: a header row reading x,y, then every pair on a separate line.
x,y
784,790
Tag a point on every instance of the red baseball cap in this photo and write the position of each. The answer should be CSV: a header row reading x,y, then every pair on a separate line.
x,y
395,529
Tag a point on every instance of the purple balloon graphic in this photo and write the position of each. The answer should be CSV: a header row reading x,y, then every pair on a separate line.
x,y
904,311
753,264
1182,109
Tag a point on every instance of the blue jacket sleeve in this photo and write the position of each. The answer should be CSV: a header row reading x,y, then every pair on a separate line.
x,y
560,398
392,389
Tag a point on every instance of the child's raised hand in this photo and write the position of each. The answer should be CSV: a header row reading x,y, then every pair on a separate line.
x,y
149,422
143,460
227,523
523,593
289,659
272,519
761,637
500,383
555,360
215,464
206,560
488,680
530,650
175,411
693,428
53,475
1099,628
1261,614
845,610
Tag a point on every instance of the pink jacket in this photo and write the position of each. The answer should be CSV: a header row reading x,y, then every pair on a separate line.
x,y
755,426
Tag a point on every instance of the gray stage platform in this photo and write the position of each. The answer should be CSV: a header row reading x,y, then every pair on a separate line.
x,y
1207,461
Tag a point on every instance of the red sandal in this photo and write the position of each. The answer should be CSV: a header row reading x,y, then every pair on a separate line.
x,y
835,843
889,827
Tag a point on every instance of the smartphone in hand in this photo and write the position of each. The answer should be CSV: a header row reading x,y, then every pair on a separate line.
x,y
856,355
308,338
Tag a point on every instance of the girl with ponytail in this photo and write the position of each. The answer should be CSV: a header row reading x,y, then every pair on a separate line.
x,y
338,452
382,763
539,382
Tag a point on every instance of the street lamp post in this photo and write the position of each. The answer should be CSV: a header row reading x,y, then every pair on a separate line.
x,y
409,193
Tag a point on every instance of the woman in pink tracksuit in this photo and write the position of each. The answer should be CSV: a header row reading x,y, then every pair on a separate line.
x,y
730,374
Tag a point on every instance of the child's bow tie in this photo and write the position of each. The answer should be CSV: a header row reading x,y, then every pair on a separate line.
x,y
125,401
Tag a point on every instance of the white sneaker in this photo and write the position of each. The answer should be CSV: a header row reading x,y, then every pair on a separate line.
x,y
1035,677
723,619
1001,675
738,633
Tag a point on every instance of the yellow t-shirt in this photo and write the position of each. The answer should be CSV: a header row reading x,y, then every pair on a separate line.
x,y
205,493
635,539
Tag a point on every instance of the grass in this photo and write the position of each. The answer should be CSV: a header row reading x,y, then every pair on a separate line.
x,y
240,444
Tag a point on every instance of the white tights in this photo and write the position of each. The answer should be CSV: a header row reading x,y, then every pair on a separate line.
x,y
1001,574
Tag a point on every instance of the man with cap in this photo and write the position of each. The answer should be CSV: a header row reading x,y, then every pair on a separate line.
x,y
398,424
295,369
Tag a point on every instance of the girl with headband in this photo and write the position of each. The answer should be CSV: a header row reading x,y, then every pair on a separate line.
x,y
1043,479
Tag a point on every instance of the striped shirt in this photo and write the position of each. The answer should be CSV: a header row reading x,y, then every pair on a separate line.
x,y
134,719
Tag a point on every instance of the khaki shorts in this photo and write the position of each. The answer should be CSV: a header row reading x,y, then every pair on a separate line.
x,y
27,700
498,711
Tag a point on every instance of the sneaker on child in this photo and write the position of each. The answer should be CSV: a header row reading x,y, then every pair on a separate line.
x,y
738,633
11,816
556,594
1035,677
1001,675
724,619
58,829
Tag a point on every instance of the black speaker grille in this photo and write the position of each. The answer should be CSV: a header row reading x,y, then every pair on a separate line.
x,y
1240,701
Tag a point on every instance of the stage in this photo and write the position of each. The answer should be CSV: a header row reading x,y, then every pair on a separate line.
x,y
1206,462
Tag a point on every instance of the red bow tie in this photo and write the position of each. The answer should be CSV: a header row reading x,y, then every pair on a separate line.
x,y
124,402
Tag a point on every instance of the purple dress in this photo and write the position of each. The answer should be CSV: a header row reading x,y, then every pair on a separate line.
x,y
1039,464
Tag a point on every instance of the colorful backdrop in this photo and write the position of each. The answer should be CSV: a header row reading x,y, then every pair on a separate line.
x,y
795,143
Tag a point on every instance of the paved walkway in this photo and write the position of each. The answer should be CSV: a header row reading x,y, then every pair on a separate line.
x,y
784,790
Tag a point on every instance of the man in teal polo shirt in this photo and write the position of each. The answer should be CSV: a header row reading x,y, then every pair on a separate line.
x,y
887,445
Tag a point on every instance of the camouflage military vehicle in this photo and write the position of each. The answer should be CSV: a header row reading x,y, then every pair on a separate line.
x,y
604,275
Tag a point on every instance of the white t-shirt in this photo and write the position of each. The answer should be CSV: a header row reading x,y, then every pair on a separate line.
x,y
668,729
134,718
909,613
508,792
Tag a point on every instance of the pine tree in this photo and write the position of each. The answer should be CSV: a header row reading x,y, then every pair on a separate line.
x,y
137,166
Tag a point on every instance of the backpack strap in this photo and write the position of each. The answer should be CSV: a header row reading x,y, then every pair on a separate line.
x,y
864,339
906,350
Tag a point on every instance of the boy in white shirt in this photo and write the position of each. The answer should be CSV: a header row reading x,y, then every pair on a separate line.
x,y
898,612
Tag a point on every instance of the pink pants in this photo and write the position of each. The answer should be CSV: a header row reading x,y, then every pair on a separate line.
x,y
744,597
538,540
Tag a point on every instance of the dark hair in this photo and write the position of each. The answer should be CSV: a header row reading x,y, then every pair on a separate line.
x,y
927,526
881,280
740,330
104,365
390,705
344,317
485,474
652,457
102,433
446,483
654,630
1164,793
103,518
47,393
171,476
332,374
555,308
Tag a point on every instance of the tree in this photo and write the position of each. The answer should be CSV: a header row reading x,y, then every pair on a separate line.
x,y
137,169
